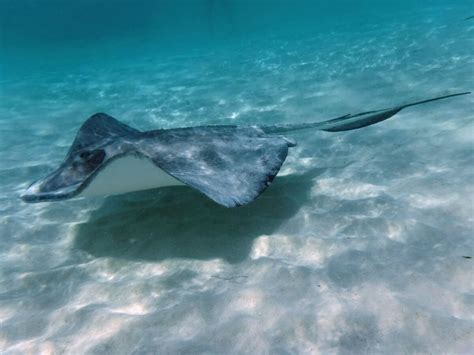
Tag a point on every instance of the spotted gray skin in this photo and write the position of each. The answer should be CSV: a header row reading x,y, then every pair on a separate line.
x,y
232,165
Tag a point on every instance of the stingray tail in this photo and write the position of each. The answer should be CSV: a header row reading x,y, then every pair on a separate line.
x,y
350,121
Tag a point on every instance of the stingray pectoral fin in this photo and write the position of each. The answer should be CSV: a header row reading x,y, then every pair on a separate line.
x,y
99,129
231,166
100,140
351,121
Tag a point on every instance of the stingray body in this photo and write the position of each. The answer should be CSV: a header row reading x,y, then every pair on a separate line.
x,y
232,165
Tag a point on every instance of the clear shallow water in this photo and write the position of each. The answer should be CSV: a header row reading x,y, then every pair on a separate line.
x,y
358,246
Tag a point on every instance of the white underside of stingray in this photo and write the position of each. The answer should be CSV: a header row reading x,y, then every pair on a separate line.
x,y
126,174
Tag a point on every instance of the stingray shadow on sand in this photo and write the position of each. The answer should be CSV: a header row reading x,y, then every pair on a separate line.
x,y
178,222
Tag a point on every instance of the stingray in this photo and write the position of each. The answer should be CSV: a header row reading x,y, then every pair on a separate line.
x,y
230,164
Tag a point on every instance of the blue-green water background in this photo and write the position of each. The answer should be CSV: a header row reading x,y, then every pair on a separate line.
x,y
359,246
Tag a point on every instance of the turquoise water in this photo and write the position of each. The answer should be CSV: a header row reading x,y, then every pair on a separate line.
x,y
360,245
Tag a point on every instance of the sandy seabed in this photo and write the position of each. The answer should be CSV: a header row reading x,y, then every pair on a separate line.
x,y
361,245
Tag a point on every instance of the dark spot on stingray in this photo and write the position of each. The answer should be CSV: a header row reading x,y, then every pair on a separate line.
x,y
466,257
92,158
213,158
85,154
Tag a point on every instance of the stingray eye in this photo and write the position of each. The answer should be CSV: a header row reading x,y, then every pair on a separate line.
x,y
85,154
92,158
